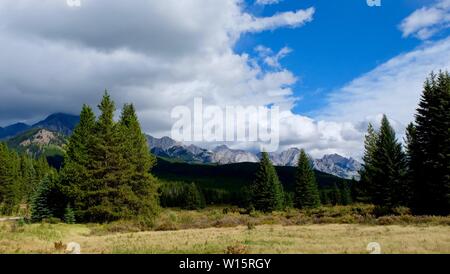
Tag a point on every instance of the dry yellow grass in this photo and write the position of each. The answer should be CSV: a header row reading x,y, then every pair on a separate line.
x,y
326,238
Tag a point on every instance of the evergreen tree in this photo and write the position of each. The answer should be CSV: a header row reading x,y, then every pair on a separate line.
x,y
69,215
194,199
266,190
107,169
344,193
142,190
41,208
306,193
368,169
76,174
388,177
429,148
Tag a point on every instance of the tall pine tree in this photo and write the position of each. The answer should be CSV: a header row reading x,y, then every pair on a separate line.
x,y
76,174
141,189
266,190
365,186
388,184
306,193
429,147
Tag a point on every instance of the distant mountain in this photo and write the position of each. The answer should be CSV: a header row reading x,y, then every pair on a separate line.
x,y
58,122
340,166
13,130
166,147
170,149
285,158
224,155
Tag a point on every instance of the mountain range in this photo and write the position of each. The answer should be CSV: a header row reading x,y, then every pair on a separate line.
x,y
168,148
51,133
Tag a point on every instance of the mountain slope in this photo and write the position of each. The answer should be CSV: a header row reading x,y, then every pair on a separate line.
x,y
58,122
38,141
13,130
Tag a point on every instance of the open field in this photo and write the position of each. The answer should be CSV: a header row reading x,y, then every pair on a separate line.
x,y
329,238
345,229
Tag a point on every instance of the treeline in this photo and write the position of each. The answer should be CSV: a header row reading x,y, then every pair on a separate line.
x,y
20,176
182,195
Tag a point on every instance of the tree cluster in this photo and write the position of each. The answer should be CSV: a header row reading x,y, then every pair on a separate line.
x,y
106,173
20,177
420,177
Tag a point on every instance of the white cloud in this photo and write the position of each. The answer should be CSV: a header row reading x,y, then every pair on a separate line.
x,y
267,2
298,18
269,58
156,54
393,88
427,21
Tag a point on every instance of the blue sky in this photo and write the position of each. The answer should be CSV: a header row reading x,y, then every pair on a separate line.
x,y
346,39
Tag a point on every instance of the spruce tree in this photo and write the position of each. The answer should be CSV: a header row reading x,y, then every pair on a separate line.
x,y
365,186
306,190
429,148
69,215
41,208
388,178
266,190
107,168
193,198
142,188
76,174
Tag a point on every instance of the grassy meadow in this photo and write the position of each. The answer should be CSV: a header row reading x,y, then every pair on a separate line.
x,y
345,229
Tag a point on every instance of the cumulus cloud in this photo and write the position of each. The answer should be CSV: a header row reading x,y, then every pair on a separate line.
x,y
427,21
156,54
